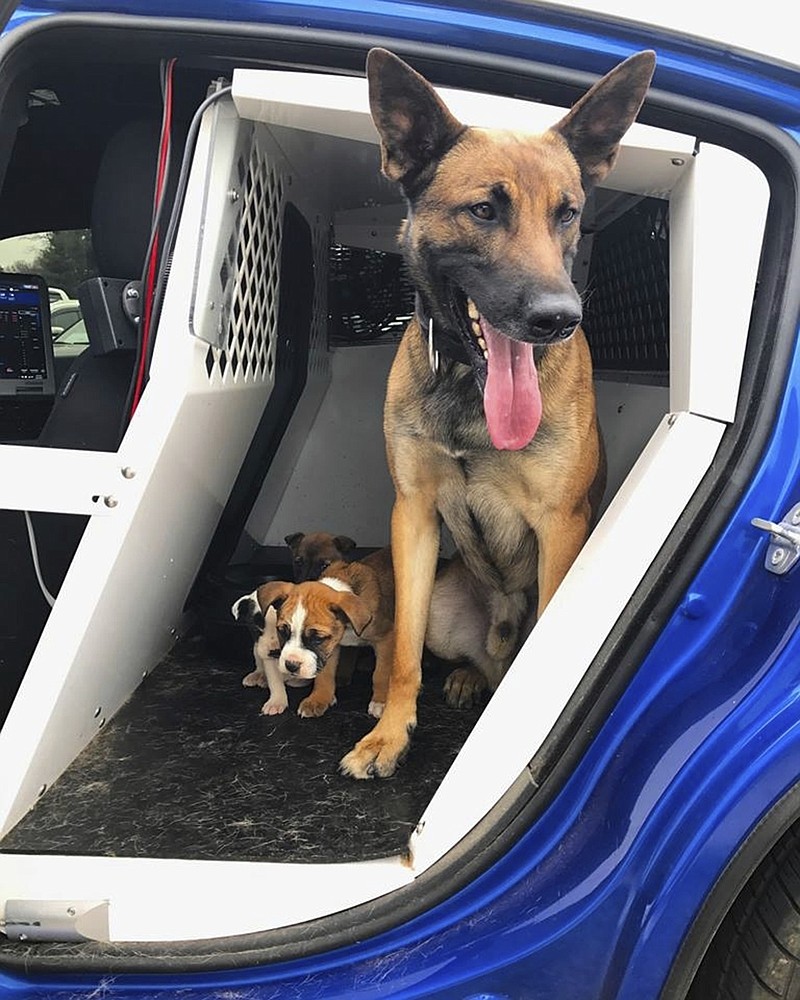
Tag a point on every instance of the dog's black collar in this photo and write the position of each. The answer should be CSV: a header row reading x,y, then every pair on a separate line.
x,y
448,343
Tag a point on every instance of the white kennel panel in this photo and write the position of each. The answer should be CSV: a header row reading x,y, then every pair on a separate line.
x,y
120,606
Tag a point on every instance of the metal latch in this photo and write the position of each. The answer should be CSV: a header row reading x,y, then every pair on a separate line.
x,y
56,920
783,550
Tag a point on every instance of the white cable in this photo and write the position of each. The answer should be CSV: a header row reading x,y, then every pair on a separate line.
x,y
35,557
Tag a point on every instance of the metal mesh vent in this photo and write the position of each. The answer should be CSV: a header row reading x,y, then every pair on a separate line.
x,y
626,315
252,263
370,296
318,359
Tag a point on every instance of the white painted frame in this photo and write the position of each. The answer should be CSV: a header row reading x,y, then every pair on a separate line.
x,y
212,899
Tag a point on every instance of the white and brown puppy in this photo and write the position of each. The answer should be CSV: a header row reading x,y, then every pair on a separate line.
x,y
352,605
266,650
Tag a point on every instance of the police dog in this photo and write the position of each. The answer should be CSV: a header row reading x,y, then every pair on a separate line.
x,y
490,417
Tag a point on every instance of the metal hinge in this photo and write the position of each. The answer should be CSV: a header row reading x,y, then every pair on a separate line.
x,y
56,920
783,550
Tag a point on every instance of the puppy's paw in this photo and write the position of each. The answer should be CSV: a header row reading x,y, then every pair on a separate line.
x,y
255,678
313,708
375,709
275,706
378,754
464,687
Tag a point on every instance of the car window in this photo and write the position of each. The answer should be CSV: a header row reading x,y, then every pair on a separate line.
x,y
64,259
75,334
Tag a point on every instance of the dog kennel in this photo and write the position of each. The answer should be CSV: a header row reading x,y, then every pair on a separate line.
x,y
141,784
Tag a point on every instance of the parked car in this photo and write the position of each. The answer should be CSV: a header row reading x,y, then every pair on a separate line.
x,y
57,295
621,820
64,314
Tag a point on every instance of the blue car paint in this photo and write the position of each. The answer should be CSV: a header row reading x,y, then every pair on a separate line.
x,y
592,903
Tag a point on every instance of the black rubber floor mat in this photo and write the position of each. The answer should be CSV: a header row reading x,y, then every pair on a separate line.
x,y
189,768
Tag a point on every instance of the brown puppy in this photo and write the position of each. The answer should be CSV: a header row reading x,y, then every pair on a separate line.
x,y
313,553
351,605
490,416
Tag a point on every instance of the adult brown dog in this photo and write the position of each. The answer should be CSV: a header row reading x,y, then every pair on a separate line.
x,y
490,416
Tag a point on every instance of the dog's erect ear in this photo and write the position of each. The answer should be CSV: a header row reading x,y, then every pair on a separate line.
x,y
353,610
273,594
344,544
596,124
294,540
414,124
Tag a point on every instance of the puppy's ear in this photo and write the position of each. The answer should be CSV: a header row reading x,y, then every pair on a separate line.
x,y
353,610
596,124
415,126
294,540
344,544
273,594
246,611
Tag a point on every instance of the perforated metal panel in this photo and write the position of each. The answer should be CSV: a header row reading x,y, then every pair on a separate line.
x,y
626,311
371,297
251,263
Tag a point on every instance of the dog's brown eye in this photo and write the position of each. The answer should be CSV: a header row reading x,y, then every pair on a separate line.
x,y
483,210
567,216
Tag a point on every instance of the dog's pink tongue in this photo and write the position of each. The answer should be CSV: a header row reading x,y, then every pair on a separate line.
x,y
511,399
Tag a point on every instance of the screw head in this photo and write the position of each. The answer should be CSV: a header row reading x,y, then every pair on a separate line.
x,y
796,515
678,161
128,472
110,501
777,556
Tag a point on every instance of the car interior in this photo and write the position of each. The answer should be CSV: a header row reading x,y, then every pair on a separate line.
x,y
257,419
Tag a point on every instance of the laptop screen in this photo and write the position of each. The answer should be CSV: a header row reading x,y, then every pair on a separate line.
x,y
26,346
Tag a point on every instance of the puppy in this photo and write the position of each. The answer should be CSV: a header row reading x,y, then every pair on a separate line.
x,y
352,605
266,650
468,623
313,553
476,625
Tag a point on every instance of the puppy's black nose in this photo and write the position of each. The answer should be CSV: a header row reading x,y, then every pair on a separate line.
x,y
555,317
293,666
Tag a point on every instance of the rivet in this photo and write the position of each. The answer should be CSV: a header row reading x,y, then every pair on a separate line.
x,y
97,711
678,161
777,556
128,472
70,911
796,515
671,419
110,501
42,790
23,937
233,196
212,305
101,723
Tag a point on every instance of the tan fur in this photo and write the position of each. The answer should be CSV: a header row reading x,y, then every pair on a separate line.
x,y
519,518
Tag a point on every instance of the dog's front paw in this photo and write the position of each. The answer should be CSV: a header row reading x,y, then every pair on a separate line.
x,y
379,753
275,705
375,709
313,708
464,687
255,678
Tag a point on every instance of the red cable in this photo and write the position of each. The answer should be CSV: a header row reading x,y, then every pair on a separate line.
x,y
152,264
